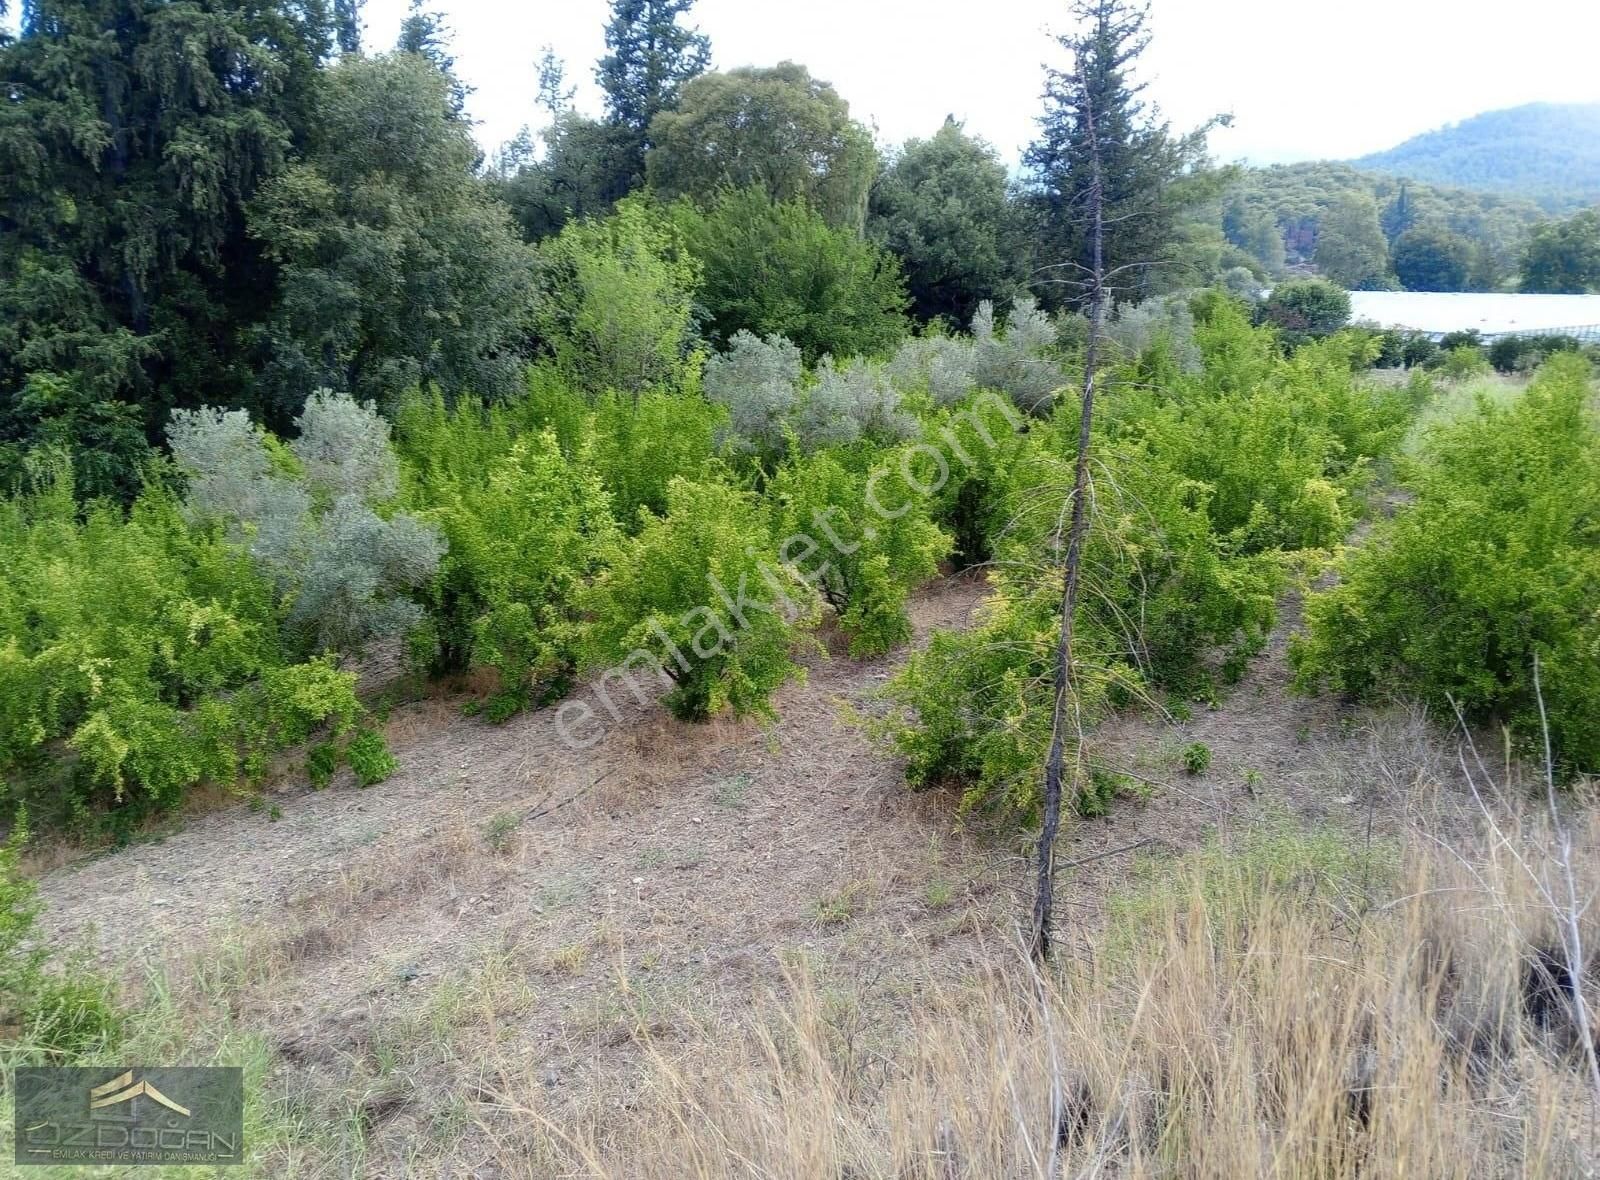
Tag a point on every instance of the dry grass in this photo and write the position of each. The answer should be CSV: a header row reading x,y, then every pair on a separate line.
x,y
1294,1006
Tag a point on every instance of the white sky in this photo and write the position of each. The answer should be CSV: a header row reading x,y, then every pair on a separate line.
x,y
1304,79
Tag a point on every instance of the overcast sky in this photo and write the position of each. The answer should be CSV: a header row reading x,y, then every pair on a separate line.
x,y
1302,80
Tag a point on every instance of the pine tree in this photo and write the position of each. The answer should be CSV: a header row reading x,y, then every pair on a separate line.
x,y
1147,175
347,24
1400,214
426,34
133,138
651,57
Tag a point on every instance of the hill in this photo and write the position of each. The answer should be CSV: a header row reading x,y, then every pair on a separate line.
x,y
1292,198
1549,152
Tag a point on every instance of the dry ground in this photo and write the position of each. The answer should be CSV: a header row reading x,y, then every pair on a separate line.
x,y
418,951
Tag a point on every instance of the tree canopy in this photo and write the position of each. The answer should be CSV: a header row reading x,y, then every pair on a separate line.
x,y
398,268
134,139
778,129
1431,258
940,205
1351,249
1564,257
777,267
1149,174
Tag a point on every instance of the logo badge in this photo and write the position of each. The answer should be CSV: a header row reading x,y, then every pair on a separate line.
x,y
178,1115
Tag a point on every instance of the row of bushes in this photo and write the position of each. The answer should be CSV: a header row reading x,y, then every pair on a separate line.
x,y
1494,563
1208,481
193,635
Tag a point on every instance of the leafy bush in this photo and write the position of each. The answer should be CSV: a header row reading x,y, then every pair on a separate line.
x,y
1020,362
975,706
1167,320
771,404
307,518
1306,309
1514,354
1196,757
1461,362
701,595
141,656
527,529
102,438
758,382
639,445
863,562
779,268
369,758
1281,446
617,299
850,401
1495,562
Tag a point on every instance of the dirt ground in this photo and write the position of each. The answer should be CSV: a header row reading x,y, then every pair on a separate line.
x,y
525,908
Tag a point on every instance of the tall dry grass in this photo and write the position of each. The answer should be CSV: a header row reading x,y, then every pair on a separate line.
x,y
1293,1005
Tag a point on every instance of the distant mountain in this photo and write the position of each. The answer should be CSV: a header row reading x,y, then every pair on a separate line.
x,y
1548,152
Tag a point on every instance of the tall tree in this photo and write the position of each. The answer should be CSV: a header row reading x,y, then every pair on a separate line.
x,y
1400,214
1563,257
398,266
780,268
1148,174
426,34
587,167
347,24
1077,92
651,57
554,95
133,137
779,129
940,206
1351,250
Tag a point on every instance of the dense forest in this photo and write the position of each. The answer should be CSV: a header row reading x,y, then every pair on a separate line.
x,y
1546,152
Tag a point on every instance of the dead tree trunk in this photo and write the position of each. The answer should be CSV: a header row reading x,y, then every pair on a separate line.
x,y
1065,666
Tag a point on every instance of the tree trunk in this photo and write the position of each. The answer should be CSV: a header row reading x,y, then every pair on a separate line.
x,y
1065,668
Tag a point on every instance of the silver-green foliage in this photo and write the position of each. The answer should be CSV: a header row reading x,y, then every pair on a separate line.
x,y
1020,362
307,516
758,380
770,401
1164,319
849,401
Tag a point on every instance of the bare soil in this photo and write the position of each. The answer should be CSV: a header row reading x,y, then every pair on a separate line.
x,y
550,912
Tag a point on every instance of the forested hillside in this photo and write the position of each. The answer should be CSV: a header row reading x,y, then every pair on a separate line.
x,y
1544,152
1349,223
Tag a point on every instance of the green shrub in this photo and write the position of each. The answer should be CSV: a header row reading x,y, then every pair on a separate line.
x,y
141,656
778,268
1283,446
369,757
1196,757
1496,561
639,445
1461,362
618,298
864,563
527,529
1306,309
702,593
974,707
